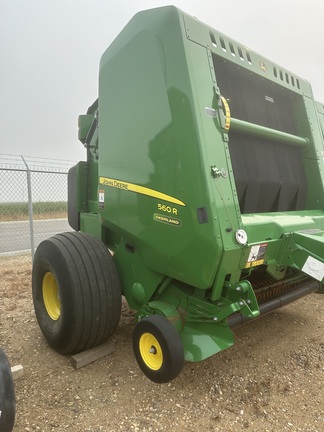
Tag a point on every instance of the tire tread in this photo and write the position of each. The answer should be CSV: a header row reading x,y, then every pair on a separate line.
x,y
94,280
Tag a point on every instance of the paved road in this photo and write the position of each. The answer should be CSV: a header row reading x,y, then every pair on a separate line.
x,y
15,236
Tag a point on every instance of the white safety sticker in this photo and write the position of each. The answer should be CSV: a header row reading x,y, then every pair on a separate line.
x,y
101,196
257,252
256,256
314,268
101,199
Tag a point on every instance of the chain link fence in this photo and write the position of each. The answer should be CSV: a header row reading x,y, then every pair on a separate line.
x,y
33,203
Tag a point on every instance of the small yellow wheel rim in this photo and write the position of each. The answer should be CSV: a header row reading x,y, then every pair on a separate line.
x,y
151,351
51,296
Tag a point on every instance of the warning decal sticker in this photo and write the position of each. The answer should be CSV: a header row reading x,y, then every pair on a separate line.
x,y
314,268
256,256
101,199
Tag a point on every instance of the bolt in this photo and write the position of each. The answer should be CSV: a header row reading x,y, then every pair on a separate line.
x,y
224,173
215,319
152,350
239,289
241,303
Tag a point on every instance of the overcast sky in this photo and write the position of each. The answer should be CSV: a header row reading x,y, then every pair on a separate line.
x,y
50,52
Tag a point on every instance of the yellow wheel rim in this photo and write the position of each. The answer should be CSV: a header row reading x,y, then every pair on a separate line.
x,y
151,351
51,296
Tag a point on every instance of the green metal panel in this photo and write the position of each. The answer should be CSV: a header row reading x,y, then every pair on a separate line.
x,y
85,122
157,148
320,111
243,57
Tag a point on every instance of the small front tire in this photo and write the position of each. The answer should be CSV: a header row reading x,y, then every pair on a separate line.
x,y
158,349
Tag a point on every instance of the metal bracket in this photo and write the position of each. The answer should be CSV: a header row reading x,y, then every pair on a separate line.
x,y
237,297
243,293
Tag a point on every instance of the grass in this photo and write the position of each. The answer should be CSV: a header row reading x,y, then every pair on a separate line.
x,y
41,210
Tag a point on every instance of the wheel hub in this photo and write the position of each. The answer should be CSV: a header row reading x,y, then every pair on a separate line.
x,y
51,296
151,351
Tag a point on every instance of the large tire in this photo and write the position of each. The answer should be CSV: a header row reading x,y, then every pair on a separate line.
x,y
158,349
76,292
7,395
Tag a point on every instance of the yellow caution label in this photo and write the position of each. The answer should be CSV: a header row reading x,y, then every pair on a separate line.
x,y
257,255
142,190
254,263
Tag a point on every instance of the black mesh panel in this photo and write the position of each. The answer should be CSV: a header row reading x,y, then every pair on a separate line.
x,y
269,176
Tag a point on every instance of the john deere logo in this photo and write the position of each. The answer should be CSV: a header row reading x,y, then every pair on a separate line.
x,y
263,67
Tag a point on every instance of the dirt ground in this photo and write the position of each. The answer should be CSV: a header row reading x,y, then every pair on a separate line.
x,y
271,380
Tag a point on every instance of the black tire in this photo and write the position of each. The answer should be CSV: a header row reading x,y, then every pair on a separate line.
x,y
7,395
76,292
158,349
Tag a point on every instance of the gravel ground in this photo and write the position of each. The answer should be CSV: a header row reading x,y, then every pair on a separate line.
x,y
271,380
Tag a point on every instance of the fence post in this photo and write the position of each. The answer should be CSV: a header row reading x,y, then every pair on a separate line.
x,y
30,210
